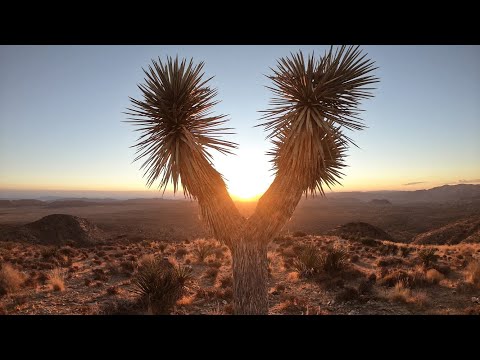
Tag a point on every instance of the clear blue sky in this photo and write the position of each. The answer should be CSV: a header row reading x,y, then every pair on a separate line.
x,y
61,115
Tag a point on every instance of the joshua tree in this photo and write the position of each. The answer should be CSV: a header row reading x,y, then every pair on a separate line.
x,y
314,99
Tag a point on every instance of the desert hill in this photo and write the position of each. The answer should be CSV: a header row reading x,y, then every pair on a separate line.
x,y
359,230
461,231
56,229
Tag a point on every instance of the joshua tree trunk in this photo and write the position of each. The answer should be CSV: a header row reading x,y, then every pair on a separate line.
x,y
250,276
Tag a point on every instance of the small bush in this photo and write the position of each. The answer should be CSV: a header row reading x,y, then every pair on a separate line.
x,y
158,285
434,276
202,249
10,279
409,279
473,273
400,293
56,279
427,256
183,273
334,259
308,261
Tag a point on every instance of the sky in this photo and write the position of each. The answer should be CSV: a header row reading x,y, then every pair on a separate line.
x,y
62,124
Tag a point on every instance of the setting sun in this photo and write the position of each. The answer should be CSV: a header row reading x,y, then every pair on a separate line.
x,y
247,175
244,190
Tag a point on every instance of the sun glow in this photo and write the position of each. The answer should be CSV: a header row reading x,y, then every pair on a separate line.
x,y
244,190
247,174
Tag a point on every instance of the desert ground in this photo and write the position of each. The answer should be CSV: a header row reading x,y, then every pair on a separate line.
x,y
333,257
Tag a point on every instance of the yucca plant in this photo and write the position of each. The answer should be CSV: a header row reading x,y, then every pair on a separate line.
x,y
315,99
202,249
334,259
308,262
158,285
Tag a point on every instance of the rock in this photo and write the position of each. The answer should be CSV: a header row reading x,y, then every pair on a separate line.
x,y
56,229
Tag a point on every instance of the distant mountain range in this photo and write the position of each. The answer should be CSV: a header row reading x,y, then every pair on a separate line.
x,y
441,194
445,193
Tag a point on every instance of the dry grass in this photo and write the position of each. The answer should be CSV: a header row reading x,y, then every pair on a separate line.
x,y
56,279
186,300
434,276
202,249
419,298
472,275
400,293
10,279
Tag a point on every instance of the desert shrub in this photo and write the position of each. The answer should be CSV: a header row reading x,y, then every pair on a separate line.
x,y
347,294
49,252
473,273
434,276
56,278
427,256
158,285
183,273
10,279
411,279
400,293
333,259
202,249
308,261
299,234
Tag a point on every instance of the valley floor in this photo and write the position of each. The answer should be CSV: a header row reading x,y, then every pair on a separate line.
x,y
378,277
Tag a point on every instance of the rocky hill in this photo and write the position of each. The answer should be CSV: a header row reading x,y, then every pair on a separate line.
x,y
461,231
56,229
359,230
